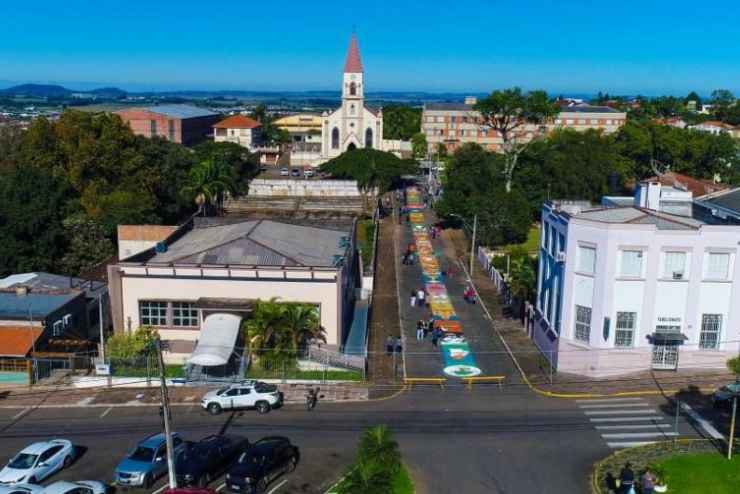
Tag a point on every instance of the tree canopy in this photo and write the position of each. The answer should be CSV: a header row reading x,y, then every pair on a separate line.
x,y
370,167
401,122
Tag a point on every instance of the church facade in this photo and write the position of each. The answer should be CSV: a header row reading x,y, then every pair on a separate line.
x,y
353,125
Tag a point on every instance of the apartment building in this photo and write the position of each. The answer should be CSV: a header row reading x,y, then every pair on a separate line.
x,y
183,124
455,124
626,289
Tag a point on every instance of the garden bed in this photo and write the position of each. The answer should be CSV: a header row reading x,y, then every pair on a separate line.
x,y
402,484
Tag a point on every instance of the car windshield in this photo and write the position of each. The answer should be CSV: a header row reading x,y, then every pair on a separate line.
x,y
222,391
247,459
142,453
23,461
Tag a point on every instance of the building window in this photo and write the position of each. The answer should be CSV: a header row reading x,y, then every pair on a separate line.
x,y
583,323
153,313
631,264
711,325
625,335
152,128
369,138
335,138
351,109
675,265
718,264
562,243
171,130
586,259
184,314
56,329
352,89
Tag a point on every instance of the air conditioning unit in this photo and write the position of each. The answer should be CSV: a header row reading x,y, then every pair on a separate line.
x,y
560,256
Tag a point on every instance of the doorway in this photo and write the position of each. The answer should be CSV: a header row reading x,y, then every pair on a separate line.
x,y
665,357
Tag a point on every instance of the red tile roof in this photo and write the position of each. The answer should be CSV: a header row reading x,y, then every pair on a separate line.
x,y
237,122
17,341
353,64
698,187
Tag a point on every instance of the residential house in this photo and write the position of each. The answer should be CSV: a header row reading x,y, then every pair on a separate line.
x,y
239,129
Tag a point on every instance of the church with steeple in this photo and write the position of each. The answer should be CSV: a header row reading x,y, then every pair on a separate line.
x,y
353,125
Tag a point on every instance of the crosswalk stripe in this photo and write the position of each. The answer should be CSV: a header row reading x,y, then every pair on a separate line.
x,y
637,435
628,444
632,427
617,405
626,419
620,412
609,400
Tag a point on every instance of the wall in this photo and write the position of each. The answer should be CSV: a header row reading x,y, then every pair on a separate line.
x,y
303,188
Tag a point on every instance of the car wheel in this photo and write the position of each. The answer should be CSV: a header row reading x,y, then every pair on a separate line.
x,y
263,407
67,462
214,408
261,485
292,464
148,481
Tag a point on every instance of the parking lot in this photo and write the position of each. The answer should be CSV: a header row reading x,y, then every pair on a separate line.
x,y
103,435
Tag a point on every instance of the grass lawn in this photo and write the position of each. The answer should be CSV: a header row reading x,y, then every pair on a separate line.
x,y
365,235
531,245
701,473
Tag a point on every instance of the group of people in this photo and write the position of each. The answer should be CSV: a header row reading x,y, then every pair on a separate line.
x,y
469,294
627,484
418,298
408,258
393,345
424,327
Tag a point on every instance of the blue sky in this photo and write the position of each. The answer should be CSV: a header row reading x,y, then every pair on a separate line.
x,y
647,46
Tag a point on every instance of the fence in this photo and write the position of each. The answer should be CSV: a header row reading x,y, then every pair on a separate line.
x,y
498,279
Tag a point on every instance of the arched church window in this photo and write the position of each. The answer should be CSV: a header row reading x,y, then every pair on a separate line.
x,y
352,89
335,138
351,109
369,138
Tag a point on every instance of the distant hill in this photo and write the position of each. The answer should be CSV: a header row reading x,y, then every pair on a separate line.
x,y
38,90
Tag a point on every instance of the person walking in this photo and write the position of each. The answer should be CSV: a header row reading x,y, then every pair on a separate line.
x,y
436,335
421,296
419,330
399,345
430,325
648,481
389,345
412,298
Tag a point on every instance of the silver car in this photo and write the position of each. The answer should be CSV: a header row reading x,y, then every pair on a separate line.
x,y
79,487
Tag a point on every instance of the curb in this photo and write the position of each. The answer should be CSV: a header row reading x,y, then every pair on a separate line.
x,y
553,394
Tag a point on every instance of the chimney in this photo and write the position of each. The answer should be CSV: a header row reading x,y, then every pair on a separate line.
x,y
21,291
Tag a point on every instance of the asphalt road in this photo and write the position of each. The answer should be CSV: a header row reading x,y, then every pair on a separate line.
x,y
487,440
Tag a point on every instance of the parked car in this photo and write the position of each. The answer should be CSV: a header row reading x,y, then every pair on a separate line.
x,y
723,396
80,487
147,461
21,489
37,462
263,462
295,172
284,172
190,490
205,460
261,396
308,172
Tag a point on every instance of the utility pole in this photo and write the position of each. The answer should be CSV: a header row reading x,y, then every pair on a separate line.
x,y
166,417
732,427
102,336
472,244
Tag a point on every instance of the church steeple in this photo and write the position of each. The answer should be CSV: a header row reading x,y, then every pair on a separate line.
x,y
353,64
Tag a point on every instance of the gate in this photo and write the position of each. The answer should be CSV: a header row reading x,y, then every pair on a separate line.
x,y
665,357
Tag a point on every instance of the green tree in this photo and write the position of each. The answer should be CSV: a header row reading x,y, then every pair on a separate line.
x,y
32,208
300,324
733,365
419,145
209,181
263,327
378,462
722,100
88,245
241,164
519,119
693,98
401,122
523,277
130,345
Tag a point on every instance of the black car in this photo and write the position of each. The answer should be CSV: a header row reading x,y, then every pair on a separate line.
x,y
295,172
262,463
205,460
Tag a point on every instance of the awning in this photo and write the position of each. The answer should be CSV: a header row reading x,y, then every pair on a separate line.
x,y
217,339
660,338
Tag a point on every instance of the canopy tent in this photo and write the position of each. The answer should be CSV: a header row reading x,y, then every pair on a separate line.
x,y
217,339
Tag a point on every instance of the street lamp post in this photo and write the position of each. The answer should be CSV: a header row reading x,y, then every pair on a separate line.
x,y
472,240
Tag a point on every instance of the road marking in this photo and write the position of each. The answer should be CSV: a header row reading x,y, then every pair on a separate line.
x,y
218,489
277,486
625,419
628,444
608,400
619,412
617,405
106,412
632,427
704,424
21,413
638,435
161,488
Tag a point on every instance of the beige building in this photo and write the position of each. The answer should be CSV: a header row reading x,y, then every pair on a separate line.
x,y
239,129
212,269
305,137
454,124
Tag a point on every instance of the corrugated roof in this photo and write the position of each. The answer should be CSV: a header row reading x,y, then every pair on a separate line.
x,y
42,282
17,341
181,111
35,305
729,199
261,242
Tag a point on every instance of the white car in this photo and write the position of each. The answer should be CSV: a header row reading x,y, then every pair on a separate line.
x,y
259,395
80,487
38,461
284,172
21,489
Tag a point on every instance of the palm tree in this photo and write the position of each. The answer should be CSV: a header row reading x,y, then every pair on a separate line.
x,y
263,326
377,444
208,182
368,477
300,324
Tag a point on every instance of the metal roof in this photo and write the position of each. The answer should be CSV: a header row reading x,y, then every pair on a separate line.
x,y
180,111
448,107
727,200
31,306
588,109
40,282
633,215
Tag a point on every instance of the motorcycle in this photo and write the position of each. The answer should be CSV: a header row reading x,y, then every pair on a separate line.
x,y
312,397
